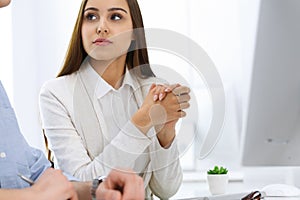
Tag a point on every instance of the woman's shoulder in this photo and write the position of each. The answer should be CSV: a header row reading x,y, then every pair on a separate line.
x,y
59,84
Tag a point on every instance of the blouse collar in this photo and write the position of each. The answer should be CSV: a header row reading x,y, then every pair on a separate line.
x,y
101,87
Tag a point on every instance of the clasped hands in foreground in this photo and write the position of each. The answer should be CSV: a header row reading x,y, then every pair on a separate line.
x,y
118,185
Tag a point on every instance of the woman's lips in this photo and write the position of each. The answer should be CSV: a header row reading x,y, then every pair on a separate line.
x,y
102,42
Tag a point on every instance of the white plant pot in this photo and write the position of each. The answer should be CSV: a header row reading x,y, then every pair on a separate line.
x,y
217,183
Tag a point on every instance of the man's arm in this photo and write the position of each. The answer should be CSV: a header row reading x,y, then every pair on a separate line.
x,y
119,184
15,194
83,190
52,184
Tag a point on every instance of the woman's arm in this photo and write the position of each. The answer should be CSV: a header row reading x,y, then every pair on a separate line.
x,y
166,170
167,174
69,148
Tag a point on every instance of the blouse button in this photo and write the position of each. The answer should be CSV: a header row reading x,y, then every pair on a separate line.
x,y
2,154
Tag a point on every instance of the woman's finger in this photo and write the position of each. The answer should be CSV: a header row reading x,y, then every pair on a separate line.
x,y
160,92
181,90
184,105
170,88
183,98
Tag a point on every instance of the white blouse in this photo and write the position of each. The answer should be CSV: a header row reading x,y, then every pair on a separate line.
x,y
88,126
119,105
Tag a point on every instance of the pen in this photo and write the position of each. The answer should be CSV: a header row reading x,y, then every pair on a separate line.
x,y
28,180
24,178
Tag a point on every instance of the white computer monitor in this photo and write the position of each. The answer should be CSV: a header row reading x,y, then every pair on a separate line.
x,y
271,135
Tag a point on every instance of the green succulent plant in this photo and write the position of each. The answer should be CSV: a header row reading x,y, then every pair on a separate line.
x,y
217,170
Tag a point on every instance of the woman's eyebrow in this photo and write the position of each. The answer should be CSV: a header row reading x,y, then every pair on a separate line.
x,y
110,9
91,8
114,9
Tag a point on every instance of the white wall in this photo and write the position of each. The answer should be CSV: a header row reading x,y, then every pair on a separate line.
x,y
216,26
41,31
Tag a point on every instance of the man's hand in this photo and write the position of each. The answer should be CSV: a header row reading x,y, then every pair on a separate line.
x,y
54,185
121,185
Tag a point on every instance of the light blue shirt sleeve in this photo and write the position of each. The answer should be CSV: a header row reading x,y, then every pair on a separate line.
x,y
16,156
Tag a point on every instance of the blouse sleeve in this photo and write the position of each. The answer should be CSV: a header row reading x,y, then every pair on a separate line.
x,y
70,150
166,170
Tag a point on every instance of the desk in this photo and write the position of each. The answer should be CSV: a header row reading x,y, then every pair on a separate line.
x,y
198,189
252,179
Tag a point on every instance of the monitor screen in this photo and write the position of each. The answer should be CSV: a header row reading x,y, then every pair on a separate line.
x,y
271,135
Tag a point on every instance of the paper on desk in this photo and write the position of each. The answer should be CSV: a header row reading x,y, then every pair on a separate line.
x,y
235,196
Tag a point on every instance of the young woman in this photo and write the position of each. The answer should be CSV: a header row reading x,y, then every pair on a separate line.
x,y
17,157
107,109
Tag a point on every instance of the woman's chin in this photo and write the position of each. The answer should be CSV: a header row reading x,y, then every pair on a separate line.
x,y
105,56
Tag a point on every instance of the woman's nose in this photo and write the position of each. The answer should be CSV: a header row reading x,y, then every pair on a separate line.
x,y
102,28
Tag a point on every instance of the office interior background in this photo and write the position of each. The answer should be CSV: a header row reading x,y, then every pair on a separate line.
x,y
35,34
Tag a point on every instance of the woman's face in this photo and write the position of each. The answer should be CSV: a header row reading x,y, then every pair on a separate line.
x,y
106,29
4,3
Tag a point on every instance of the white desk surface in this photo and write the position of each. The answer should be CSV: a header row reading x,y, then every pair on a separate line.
x,y
199,189
247,181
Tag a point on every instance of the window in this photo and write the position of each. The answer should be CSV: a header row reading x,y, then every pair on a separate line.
x,y
214,25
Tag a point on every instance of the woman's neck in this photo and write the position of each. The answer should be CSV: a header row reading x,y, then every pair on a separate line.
x,y
111,71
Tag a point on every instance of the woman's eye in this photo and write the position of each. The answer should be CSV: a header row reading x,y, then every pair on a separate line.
x,y
91,17
116,17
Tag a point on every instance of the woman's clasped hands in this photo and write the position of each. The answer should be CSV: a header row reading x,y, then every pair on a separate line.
x,y
161,109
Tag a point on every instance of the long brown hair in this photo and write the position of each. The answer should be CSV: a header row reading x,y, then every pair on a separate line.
x,y
137,57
